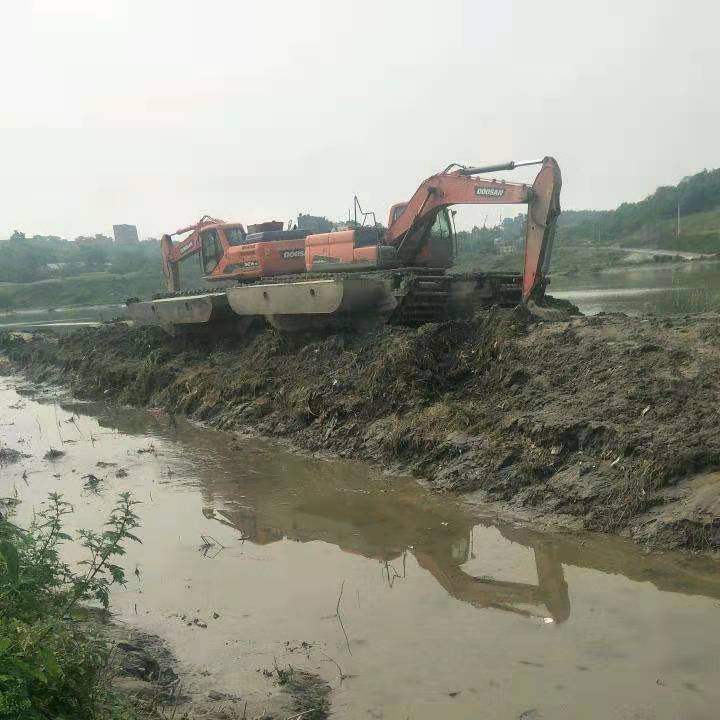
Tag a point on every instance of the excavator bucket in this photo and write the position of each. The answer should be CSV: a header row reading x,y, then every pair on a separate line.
x,y
543,211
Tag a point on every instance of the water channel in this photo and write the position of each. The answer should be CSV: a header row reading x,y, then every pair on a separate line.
x,y
446,611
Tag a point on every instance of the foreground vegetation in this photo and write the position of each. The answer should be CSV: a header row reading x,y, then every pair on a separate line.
x,y
50,665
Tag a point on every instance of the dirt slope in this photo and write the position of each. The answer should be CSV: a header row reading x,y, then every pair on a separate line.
x,y
611,420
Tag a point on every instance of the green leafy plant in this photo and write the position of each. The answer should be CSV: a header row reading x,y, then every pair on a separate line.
x,y
50,665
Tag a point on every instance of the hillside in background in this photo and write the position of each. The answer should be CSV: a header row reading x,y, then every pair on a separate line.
x,y
598,239
652,222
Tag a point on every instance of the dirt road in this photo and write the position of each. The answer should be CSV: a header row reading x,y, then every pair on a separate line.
x,y
609,422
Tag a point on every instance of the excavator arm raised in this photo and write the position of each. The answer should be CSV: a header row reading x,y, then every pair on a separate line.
x,y
409,229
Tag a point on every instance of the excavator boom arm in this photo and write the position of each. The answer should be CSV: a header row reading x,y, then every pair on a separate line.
x,y
409,230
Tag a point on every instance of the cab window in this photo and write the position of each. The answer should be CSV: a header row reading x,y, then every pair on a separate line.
x,y
234,235
211,250
441,227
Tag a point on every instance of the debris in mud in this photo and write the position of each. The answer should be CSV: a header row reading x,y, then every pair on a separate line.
x,y
8,505
121,473
10,455
210,546
53,454
531,714
93,483
103,464
310,694
549,416
141,666
149,449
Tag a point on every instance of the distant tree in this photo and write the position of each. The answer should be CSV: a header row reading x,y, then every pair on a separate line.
x,y
17,236
94,256
695,193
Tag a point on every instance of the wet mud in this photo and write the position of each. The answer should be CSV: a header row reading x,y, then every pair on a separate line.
x,y
145,673
607,423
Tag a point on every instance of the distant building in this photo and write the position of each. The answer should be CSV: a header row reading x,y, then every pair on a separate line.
x,y
125,234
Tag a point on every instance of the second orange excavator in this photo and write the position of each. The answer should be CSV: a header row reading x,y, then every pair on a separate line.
x,y
295,280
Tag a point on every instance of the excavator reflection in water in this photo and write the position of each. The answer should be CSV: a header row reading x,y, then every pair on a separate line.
x,y
382,526
269,495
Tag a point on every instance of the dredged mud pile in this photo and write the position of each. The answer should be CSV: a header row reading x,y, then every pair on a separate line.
x,y
610,420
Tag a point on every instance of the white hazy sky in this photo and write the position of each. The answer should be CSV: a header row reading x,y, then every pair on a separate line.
x,y
157,111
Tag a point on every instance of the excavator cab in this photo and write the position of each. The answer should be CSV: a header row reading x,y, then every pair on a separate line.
x,y
364,248
211,250
228,252
438,251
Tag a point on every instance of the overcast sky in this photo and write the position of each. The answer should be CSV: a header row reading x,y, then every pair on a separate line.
x,y
155,112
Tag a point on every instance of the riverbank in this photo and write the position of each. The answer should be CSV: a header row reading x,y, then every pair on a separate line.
x,y
608,423
87,289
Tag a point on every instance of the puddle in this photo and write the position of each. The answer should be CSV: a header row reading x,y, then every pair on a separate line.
x,y
445,613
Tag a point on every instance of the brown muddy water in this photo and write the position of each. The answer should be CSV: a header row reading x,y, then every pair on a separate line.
x,y
445,612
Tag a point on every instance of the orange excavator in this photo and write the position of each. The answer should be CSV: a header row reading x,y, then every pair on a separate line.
x,y
295,279
228,252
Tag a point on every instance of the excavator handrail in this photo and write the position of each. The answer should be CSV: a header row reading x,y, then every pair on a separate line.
x,y
202,222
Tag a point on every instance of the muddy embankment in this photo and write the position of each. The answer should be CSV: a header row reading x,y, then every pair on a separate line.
x,y
608,422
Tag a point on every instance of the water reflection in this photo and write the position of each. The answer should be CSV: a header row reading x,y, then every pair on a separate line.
x,y
441,546
418,571
268,496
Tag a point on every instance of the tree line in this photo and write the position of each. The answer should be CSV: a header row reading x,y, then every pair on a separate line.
x,y
693,194
27,259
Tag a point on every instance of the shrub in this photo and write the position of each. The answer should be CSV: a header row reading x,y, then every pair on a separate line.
x,y
50,667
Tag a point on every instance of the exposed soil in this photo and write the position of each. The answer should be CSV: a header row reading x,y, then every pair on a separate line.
x,y
145,673
9,455
609,421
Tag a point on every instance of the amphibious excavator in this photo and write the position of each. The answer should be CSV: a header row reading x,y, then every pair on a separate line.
x,y
294,279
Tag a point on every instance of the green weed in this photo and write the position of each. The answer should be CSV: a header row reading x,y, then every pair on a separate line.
x,y
49,666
